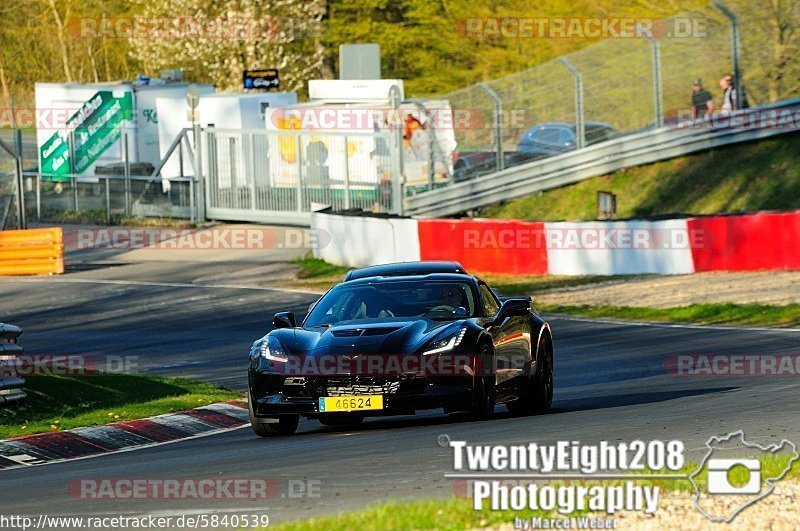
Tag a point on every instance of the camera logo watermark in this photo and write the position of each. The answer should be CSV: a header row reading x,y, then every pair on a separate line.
x,y
727,495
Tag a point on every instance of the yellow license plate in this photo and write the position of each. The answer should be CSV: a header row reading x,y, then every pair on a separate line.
x,y
350,403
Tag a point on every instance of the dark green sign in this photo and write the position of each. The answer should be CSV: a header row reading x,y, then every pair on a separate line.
x,y
96,126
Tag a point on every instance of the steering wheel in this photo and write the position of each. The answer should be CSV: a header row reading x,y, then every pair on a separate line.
x,y
442,308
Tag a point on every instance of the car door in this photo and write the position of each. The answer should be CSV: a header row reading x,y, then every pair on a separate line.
x,y
510,357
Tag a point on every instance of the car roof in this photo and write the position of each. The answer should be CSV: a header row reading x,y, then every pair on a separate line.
x,y
405,269
569,125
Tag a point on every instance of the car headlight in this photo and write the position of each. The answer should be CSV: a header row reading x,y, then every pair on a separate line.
x,y
271,349
447,343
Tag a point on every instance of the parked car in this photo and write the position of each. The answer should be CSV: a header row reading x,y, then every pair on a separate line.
x,y
540,141
553,138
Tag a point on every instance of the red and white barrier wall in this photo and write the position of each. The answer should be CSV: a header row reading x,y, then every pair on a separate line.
x,y
747,242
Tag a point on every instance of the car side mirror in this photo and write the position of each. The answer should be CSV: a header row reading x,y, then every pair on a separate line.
x,y
284,320
513,306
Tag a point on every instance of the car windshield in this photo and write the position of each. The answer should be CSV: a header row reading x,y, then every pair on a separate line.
x,y
439,300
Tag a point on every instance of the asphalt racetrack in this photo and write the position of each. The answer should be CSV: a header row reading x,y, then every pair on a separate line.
x,y
610,384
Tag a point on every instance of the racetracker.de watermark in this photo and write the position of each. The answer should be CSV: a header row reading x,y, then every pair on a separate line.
x,y
583,238
733,364
192,488
214,238
784,119
66,365
232,27
581,28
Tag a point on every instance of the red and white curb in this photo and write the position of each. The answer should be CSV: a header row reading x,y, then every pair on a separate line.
x,y
79,443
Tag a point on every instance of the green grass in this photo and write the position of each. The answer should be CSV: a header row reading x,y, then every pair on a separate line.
x,y
761,175
316,268
511,285
64,402
726,314
457,513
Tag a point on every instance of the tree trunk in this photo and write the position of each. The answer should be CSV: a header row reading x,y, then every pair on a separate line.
x,y
62,41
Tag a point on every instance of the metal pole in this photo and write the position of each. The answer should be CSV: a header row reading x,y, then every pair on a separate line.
x,y
127,170
498,124
655,51
346,177
580,133
74,182
299,175
108,199
38,197
736,47
198,173
398,177
20,179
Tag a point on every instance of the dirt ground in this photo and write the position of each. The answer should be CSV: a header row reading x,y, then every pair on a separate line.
x,y
767,287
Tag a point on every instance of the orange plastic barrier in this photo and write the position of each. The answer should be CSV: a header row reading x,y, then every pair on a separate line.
x,y
32,252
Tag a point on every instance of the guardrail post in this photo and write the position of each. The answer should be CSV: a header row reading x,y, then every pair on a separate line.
x,y
398,176
580,133
736,47
500,162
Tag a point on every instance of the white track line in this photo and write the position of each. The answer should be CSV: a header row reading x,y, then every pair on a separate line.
x,y
674,325
155,284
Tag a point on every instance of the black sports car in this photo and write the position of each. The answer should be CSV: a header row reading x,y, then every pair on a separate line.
x,y
397,338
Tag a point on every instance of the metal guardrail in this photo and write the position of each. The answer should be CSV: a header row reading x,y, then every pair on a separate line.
x,y
625,151
10,382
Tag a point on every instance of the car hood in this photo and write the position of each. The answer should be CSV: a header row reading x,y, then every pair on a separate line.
x,y
366,336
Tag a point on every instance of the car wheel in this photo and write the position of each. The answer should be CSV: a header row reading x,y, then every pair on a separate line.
x,y
484,394
286,425
342,419
536,395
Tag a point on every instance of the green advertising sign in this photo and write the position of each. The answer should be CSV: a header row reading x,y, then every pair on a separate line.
x,y
96,126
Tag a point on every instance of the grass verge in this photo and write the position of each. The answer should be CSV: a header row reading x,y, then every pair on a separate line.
x,y
743,177
728,314
65,402
457,513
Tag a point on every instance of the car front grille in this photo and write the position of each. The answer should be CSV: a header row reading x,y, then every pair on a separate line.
x,y
352,385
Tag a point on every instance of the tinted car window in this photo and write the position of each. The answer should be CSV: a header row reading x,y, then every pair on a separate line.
x,y
431,299
489,303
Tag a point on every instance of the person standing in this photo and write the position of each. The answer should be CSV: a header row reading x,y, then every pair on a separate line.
x,y
730,99
702,101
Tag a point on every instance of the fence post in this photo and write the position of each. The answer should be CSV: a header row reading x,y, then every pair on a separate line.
x,y
127,170
736,47
346,177
500,162
655,52
579,122
108,199
398,176
20,179
38,196
199,178
299,158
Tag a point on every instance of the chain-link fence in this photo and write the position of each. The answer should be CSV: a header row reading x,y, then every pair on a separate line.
x,y
640,80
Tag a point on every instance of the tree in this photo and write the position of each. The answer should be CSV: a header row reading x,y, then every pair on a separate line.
x,y
215,42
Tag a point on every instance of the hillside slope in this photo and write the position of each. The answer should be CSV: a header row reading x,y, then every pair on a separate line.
x,y
761,175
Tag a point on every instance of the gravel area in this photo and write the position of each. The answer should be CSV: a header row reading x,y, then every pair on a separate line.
x,y
763,287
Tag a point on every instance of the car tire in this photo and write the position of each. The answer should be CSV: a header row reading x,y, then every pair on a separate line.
x,y
536,396
484,394
286,425
340,420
